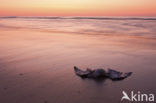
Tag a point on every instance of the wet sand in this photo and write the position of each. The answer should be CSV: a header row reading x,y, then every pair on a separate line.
x,y
37,66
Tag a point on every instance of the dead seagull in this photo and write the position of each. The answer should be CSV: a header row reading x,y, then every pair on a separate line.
x,y
101,73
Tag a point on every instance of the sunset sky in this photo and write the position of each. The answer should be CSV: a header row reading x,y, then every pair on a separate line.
x,y
77,7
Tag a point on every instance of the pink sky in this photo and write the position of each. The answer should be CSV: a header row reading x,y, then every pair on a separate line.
x,y
78,8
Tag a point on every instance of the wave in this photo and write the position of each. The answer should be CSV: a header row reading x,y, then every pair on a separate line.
x,y
97,18
8,17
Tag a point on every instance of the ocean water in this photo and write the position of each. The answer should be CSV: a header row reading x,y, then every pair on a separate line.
x,y
133,26
37,56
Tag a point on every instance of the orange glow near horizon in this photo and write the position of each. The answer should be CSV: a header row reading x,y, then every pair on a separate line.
x,y
77,8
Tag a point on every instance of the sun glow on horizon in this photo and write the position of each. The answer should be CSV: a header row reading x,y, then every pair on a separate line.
x,y
78,8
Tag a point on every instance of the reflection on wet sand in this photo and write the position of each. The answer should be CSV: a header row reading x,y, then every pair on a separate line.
x,y
37,67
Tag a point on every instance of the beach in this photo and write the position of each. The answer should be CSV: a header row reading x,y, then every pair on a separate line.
x,y
37,59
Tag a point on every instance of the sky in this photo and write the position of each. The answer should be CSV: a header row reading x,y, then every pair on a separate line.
x,y
77,7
